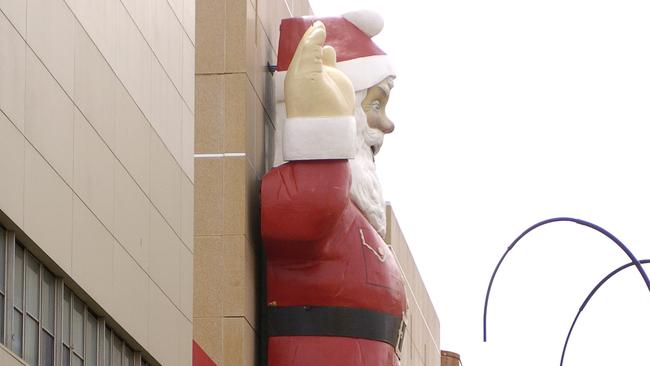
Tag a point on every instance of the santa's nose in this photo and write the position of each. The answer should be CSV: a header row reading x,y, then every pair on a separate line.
x,y
387,126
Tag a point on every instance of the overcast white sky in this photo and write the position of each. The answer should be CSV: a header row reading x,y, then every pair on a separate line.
x,y
508,113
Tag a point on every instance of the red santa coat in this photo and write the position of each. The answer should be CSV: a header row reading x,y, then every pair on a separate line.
x,y
321,251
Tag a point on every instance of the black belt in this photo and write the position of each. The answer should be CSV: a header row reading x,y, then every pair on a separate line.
x,y
337,322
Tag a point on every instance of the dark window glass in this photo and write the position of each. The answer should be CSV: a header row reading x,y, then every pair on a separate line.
x,y
117,351
47,349
2,318
128,353
32,286
91,341
17,334
31,341
48,301
66,356
19,277
3,258
3,287
67,300
107,347
78,327
76,360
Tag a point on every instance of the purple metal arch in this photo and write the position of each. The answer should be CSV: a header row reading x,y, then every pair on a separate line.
x,y
545,222
591,294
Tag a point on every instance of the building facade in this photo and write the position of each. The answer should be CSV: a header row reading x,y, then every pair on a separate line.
x,y
96,182
100,217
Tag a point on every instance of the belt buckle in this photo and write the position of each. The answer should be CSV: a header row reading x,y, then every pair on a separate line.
x,y
400,336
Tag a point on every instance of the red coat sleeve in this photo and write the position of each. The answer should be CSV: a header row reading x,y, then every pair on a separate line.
x,y
302,200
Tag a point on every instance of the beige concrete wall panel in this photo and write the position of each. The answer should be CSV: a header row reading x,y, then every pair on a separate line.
x,y
12,164
95,87
177,8
132,138
50,33
141,12
187,159
92,255
48,209
422,344
252,118
261,78
250,41
210,36
269,144
234,196
209,197
236,24
99,18
166,40
209,277
301,8
16,12
239,345
188,72
12,71
132,209
189,18
239,272
237,86
162,327
48,117
255,120
184,341
260,145
134,61
253,222
94,173
271,13
417,333
165,181
130,295
432,353
406,356
186,281
210,114
187,204
167,117
164,257
7,358
208,333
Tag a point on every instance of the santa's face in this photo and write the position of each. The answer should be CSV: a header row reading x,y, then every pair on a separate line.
x,y
372,124
374,106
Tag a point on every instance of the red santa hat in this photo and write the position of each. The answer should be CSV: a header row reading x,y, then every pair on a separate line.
x,y
351,36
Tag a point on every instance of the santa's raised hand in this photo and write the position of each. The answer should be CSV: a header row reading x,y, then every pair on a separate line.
x,y
314,87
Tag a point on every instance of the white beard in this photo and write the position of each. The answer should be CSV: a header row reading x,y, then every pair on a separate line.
x,y
366,190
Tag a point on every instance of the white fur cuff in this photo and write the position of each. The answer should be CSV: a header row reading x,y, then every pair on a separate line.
x,y
316,138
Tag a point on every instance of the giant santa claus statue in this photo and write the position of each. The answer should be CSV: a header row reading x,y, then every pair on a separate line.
x,y
334,289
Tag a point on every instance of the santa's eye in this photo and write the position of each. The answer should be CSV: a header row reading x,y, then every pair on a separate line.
x,y
376,105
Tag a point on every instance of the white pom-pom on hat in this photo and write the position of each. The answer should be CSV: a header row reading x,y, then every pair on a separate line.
x,y
370,22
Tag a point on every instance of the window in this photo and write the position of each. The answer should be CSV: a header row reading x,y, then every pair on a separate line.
x,y
3,285
17,326
47,326
43,317
118,354
80,333
34,299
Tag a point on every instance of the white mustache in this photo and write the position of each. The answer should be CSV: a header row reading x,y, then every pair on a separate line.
x,y
373,138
